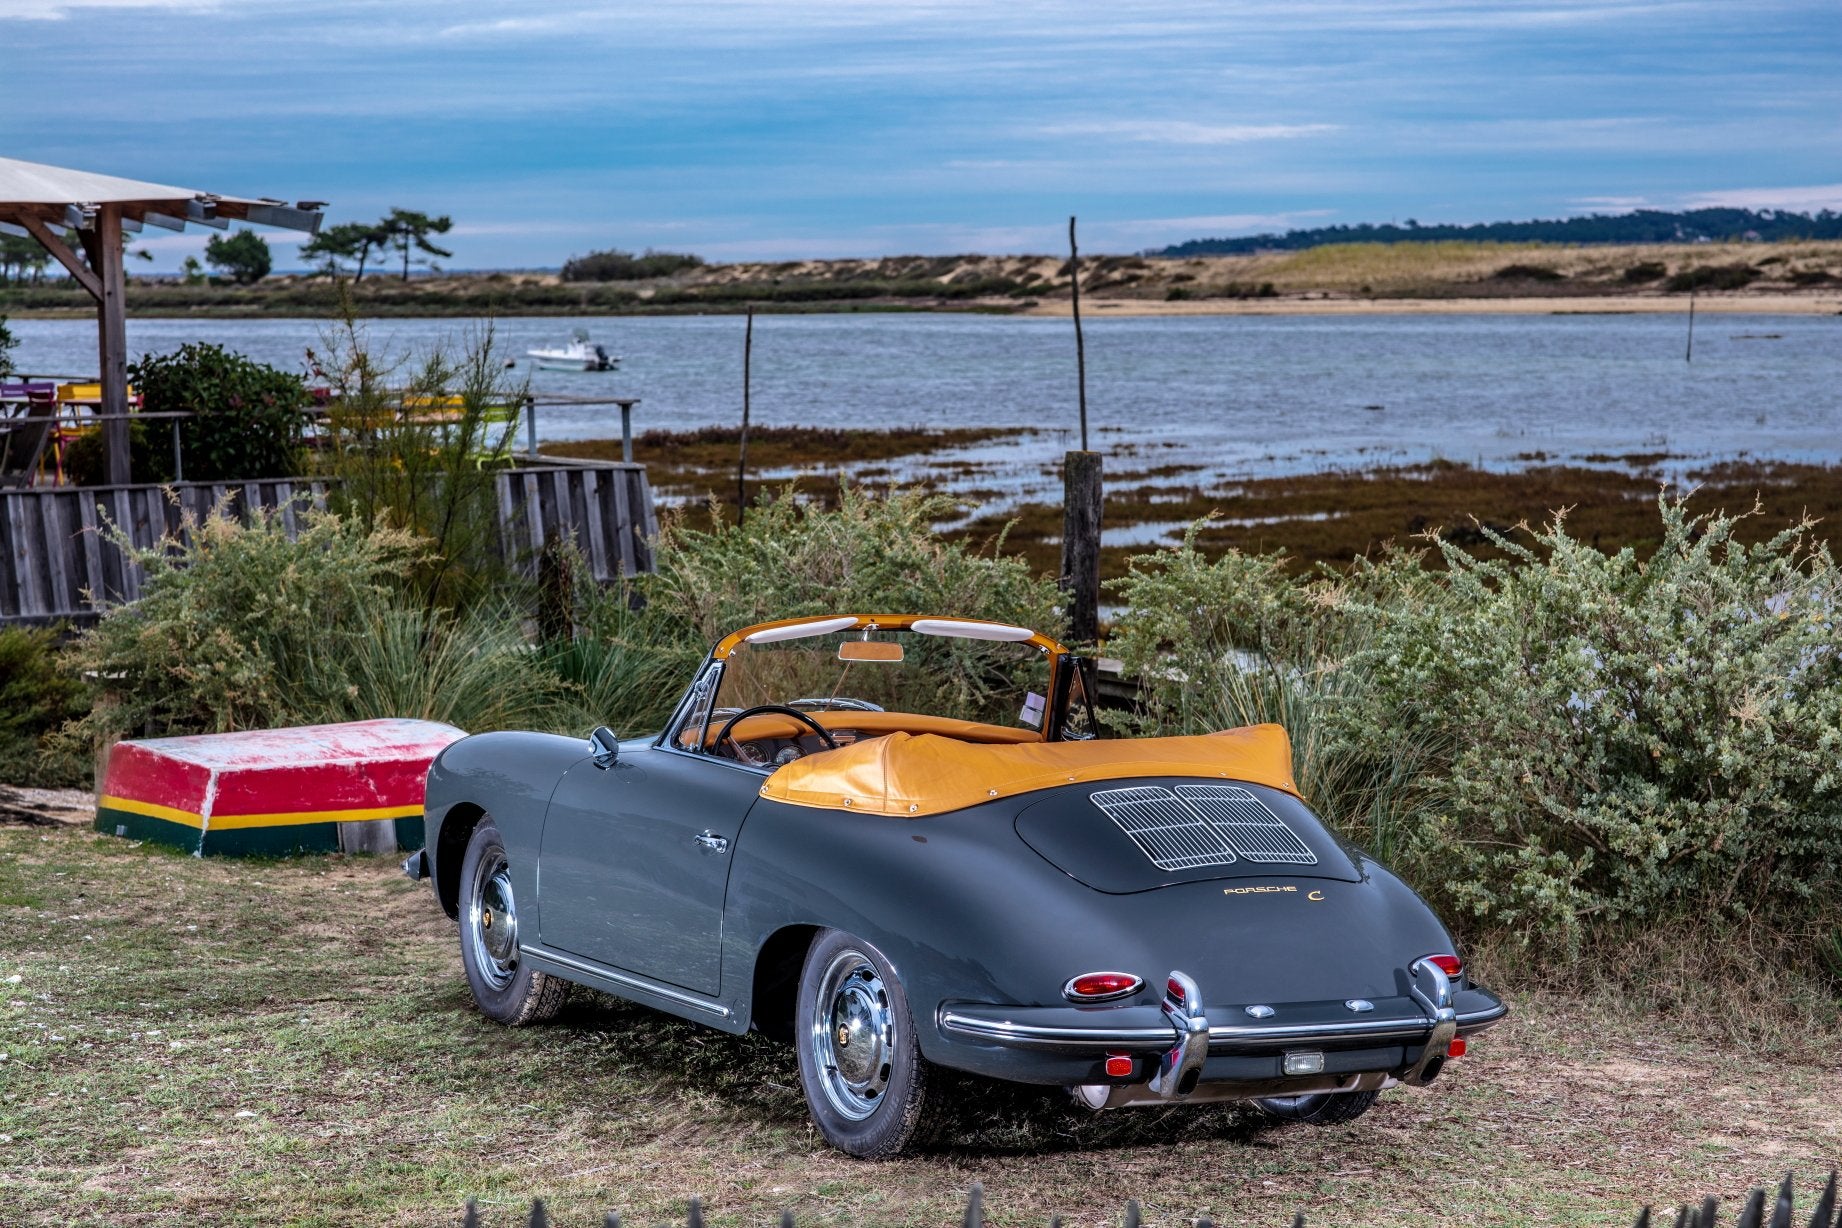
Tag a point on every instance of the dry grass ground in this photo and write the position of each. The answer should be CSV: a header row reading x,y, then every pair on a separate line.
x,y
292,1043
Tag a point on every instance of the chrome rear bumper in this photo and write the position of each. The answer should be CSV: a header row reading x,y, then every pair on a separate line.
x,y
1421,1025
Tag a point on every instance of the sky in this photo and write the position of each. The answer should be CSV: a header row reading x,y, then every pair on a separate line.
x,y
785,129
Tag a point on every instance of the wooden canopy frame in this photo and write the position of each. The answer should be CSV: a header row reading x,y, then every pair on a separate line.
x,y
102,210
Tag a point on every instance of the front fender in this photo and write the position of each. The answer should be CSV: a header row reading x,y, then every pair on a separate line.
x,y
509,776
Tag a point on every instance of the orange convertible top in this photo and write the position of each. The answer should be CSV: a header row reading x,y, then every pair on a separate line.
x,y
914,775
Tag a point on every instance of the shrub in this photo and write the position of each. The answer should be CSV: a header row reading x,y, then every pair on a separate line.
x,y
1528,272
7,343
871,552
1713,277
415,444
616,265
1645,271
239,627
37,695
1553,745
247,421
243,257
150,455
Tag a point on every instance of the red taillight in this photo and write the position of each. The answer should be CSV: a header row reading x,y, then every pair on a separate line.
x,y
1456,1048
1118,1064
1101,986
1451,965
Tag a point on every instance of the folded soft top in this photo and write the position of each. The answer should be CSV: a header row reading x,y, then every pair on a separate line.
x,y
913,775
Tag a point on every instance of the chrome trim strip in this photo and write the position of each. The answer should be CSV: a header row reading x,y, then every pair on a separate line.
x,y
1028,1034
630,980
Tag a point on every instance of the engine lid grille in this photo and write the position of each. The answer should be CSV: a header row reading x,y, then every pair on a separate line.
x,y
1202,825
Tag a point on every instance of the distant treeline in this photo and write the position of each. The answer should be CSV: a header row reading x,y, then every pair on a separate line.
x,y
1640,226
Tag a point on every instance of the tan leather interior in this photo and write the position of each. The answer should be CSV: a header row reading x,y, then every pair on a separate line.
x,y
774,725
914,775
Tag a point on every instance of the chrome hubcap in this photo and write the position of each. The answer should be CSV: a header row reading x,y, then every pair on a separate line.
x,y
853,1035
492,923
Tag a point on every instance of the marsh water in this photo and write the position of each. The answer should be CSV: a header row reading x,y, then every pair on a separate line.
x,y
1227,395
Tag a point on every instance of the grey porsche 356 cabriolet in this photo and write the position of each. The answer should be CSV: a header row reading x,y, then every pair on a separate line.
x,y
896,840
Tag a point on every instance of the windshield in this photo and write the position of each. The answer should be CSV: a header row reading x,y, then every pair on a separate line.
x,y
988,682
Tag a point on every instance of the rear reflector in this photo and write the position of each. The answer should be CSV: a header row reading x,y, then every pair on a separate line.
x,y
1456,1048
1118,1065
1101,986
1451,965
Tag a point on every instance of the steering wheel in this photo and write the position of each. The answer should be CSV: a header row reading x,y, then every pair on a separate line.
x,y
722,735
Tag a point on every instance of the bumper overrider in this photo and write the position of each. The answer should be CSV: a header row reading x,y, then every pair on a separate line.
x,y
1182,1050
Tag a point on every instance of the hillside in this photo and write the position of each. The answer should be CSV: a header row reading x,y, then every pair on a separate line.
x,y
1641,226
1461,275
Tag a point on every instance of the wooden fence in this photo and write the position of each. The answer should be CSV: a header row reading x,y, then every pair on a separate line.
x,y
1762,1210
58,560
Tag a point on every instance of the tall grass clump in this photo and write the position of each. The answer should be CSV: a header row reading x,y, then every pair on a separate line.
x,y
872,553
240,627
1559,746
415,442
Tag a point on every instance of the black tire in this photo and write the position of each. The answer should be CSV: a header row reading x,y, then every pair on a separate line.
x,y
504,986
1319,1108
870,1101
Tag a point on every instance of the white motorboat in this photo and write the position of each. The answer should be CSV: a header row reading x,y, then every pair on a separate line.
x,y
580,354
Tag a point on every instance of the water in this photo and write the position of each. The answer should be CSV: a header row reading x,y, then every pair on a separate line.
x,y
1227,395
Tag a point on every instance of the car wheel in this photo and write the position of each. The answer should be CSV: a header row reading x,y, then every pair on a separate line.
x,y
505,987
1318,1108
865,1080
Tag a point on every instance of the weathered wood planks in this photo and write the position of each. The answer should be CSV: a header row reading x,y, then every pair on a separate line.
x,y
59,562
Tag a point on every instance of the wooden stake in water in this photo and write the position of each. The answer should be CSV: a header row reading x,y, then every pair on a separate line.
x,y
1689,354
1074,285
748,349
1081,496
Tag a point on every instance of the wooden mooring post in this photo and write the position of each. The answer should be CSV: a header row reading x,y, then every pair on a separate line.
x,y
1082,493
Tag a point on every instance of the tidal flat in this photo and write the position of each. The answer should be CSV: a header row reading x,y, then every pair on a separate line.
x,y
1330,517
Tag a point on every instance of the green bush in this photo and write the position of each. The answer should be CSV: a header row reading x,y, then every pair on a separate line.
x,y
37,695
1645,271
616,265
150,455
431,473
7,343
870,553
246,420
1554,745
1713,277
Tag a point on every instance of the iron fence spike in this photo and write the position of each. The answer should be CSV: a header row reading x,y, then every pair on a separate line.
x,y
1754,1214
1055,1221
1298,1219
786,1218
611,1220
1643,1217
1132,1215
1682,1218
539,1219
696,1218
1710,1211
1825,1213
1781,1210
975,1207
1203,1221
472,1218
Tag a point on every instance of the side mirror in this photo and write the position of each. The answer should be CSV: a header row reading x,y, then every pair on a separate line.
x,y
606,746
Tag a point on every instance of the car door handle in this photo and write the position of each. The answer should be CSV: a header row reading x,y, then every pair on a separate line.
x,y
713,842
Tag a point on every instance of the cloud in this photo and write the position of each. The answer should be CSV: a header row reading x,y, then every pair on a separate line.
x,y
1807,199
1187,132
59,10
